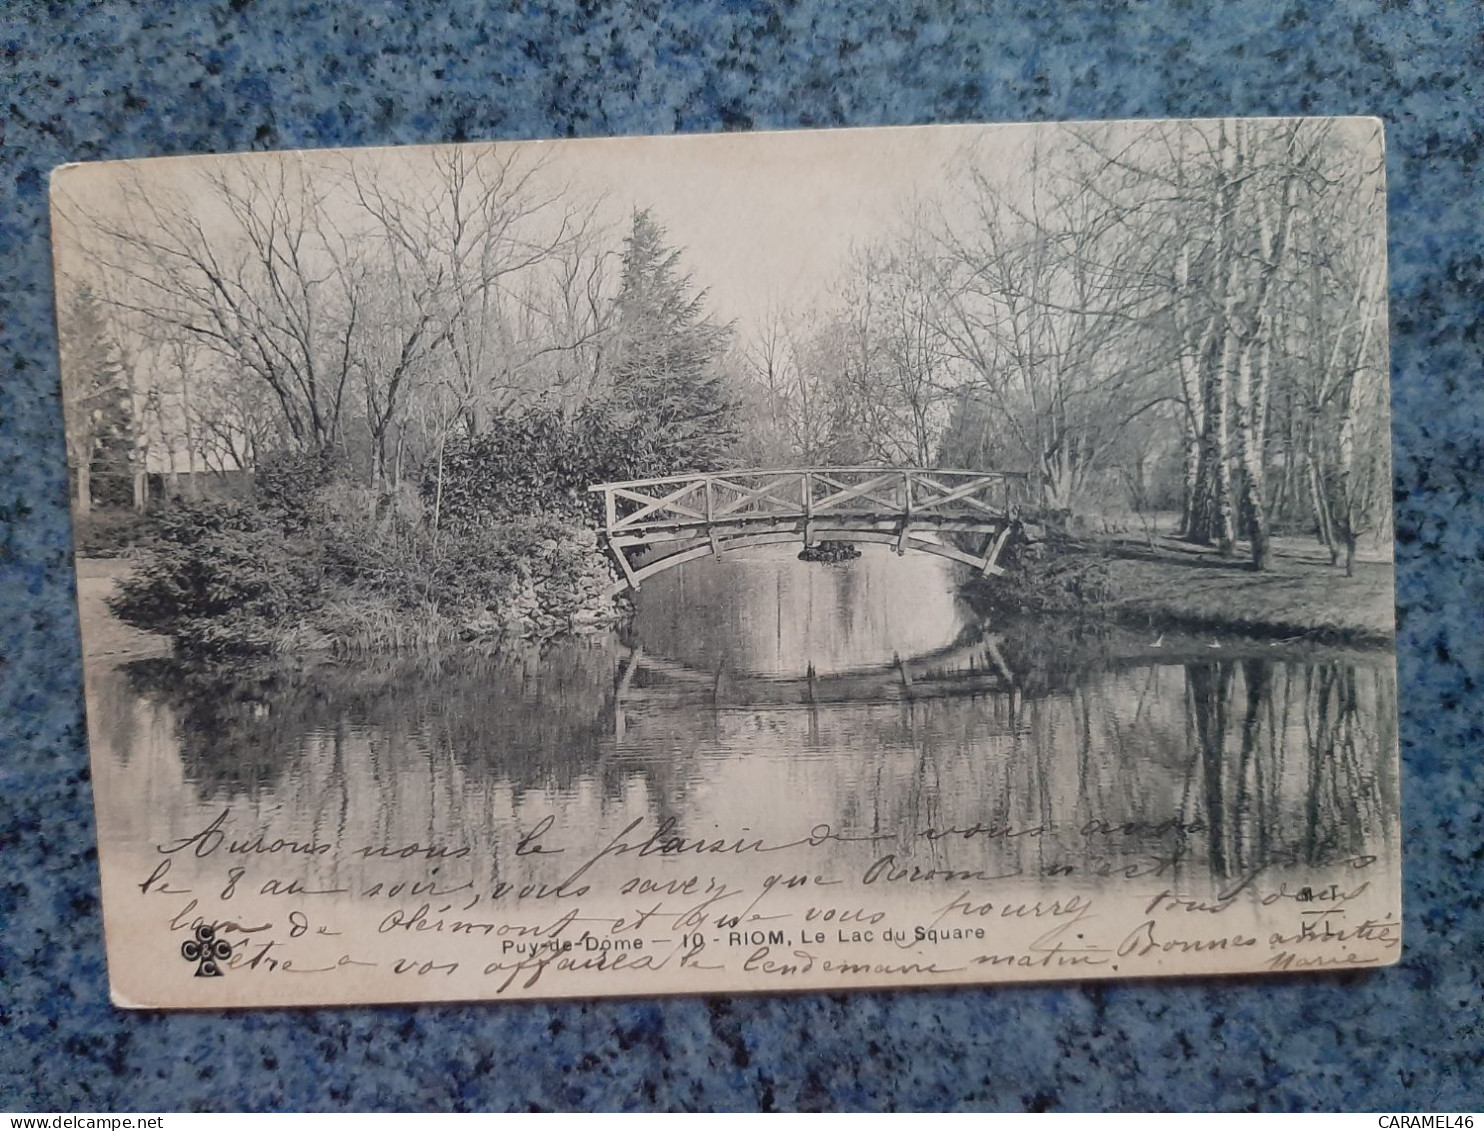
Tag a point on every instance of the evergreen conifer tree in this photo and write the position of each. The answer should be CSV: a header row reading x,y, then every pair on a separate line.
x,y
667,383
98,407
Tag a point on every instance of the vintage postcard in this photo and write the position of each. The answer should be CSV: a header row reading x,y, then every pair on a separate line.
x,y
755,562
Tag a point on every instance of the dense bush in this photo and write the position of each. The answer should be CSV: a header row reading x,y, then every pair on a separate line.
x,y
539,462
496,543
234,578
1062,577
220,577
531,577
104,532
289,486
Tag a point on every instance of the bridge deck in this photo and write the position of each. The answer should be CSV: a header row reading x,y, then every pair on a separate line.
x,y
679,518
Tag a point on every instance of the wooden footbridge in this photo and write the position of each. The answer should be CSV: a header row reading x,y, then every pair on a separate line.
x,y
651,525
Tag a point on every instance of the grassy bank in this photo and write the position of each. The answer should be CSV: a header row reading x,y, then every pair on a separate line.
x,y
1165,584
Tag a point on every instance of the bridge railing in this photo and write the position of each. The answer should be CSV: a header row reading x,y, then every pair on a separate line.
x,y
701,500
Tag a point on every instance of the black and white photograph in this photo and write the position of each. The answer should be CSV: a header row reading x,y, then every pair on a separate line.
x,y
749,562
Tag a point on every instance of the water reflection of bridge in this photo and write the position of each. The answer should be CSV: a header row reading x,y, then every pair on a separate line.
x,y
976,667
1279,756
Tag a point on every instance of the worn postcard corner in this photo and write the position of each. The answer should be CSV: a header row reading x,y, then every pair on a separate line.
x,y
785,561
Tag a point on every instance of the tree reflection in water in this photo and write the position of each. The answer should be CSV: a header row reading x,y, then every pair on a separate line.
x,y
1094,753
1293,759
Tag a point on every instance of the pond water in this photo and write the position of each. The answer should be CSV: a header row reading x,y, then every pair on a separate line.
x,y
763,694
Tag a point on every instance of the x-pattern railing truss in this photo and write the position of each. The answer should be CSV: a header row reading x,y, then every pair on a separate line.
x,y
717,511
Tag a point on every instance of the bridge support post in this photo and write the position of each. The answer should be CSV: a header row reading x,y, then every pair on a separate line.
x,y
623,564
991,559
906,530
904,672
808,482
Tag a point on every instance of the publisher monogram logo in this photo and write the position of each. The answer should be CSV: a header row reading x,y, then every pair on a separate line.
x,y
206,951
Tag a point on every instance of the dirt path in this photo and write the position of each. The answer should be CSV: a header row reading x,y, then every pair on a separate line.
x,y
103,634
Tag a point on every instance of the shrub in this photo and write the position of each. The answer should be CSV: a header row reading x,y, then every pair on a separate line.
x,y
316,561
540,462
220,578
105,533
288,485
528,577
1070,579
531,573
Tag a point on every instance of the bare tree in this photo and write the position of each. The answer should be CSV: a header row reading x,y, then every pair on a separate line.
x,y
1341,388
1047,295
790,361
342,283
447,258
1247,244
888,369
236,260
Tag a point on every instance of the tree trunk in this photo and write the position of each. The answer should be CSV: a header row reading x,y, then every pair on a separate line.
x,y
1202,525
1215,510
1231,169
1285,488
1220,524
438,488
1193,355
1321,512
1192,446
1249,443
1226,514
84,504
1346,490
1056,480
1253,373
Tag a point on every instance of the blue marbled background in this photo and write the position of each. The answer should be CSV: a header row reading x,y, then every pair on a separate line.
x,y
82,81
